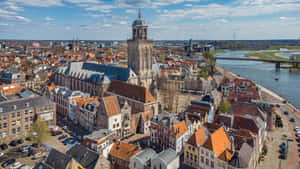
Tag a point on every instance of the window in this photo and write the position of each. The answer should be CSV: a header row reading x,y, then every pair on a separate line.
x,y
13,131
212,164
19,130
26,119
13,123
114,126
13,115
202,159
4,134
187,154
4,117
193,149
26,127
26,112
0,126
31,118
207,162
18,114
4,125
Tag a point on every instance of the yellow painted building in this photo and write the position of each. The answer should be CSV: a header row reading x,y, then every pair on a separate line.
x,y
191,147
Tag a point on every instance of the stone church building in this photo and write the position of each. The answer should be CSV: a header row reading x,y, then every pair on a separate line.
x,y
94,78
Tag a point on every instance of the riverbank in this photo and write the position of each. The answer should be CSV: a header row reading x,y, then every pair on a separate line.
x,y
272,97
266,55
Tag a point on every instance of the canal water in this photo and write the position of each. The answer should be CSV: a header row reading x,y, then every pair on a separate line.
x,y
287,86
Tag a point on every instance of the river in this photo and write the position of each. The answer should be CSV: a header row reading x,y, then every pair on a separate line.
x,y
288,85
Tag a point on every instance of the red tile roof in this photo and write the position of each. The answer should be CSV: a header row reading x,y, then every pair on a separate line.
x,y
180,128
199,137
111,105
219,143
132,91
124,150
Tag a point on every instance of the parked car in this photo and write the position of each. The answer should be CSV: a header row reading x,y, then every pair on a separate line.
x,y
24,148
31,152
286,113
56,133
34,145
8,162
16,165
3,146
65,127
13,143
39,155
292,120
1,154
28,139
282,156
278,105
20,141
62,137
69,131
67,140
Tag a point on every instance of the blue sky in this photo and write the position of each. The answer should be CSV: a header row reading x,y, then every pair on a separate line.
x,y
167,19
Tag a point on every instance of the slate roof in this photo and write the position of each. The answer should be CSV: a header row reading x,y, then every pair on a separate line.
x,y
84,156
15,105
241,159
145,155
57,160
132,91
95,72
167,155
42,165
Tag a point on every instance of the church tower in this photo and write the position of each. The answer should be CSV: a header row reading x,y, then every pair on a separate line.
x,y
140,52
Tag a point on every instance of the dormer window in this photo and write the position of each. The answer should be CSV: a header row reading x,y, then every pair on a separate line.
x,y
27,104
14,107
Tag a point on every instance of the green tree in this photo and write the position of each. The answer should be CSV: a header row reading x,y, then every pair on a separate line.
x,y
39,131
225,106
211,61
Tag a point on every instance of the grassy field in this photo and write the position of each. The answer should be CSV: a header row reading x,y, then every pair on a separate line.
x,y
266,55
217,51
287,47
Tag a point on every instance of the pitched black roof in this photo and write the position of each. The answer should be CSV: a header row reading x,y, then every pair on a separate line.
x,y
86,157
57,160
41,165
19,104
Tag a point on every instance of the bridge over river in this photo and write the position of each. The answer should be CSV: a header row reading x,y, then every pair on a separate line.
x,y
275,61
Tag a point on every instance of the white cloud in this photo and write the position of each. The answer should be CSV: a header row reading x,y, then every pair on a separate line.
x,y
22,18
217,11
283,18
4,24
83,1
101,8
39,3
11,6
188,5
123,23
47,18
131,11
107,25
132,3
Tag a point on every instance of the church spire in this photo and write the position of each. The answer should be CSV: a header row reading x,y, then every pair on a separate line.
x,y
140,14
